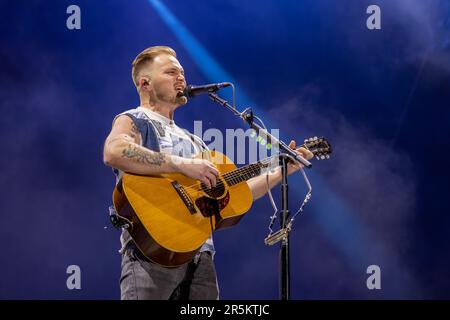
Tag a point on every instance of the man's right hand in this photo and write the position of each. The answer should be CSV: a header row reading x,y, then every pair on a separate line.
x,y
199,169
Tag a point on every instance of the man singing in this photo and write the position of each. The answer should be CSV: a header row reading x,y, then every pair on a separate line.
x,y
147,141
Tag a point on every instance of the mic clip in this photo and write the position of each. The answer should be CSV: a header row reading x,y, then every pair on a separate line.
x,y
247,114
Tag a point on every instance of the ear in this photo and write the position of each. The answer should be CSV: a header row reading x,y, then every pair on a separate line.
x,y
144,81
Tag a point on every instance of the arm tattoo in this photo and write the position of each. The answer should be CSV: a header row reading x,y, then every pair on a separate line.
x,y
142,156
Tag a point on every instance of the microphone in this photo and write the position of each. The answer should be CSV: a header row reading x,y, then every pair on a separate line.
x,y
191,91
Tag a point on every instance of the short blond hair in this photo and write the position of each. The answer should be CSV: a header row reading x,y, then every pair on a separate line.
x,y
145,58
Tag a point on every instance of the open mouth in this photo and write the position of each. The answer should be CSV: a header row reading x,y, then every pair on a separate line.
x,y
179,87
180,90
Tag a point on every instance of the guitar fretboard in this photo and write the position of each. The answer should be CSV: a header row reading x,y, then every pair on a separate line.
x,y
247,172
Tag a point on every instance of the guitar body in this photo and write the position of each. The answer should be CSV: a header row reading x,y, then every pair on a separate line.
x,y
172,215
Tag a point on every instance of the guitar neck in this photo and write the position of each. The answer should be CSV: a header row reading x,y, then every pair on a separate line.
x,y
246,172
318,146
249,171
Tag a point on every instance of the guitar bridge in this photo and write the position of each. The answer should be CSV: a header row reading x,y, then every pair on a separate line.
x,y
183,195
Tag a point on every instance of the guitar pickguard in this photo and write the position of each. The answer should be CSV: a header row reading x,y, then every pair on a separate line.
x,y
212,207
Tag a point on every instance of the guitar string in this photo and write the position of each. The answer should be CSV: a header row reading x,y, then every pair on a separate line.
x,y
233,178
234,175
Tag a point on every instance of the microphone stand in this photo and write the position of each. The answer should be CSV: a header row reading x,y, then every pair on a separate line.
x,y
283,233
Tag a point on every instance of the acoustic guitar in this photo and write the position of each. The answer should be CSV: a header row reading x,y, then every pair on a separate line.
x,y
170,216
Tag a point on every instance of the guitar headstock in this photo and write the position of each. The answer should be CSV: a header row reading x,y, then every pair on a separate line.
x,y
320,147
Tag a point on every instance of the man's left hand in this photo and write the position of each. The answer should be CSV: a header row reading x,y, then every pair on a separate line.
x,y
305,153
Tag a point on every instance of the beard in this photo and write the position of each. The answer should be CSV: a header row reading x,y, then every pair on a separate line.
x,y
180,100
173,99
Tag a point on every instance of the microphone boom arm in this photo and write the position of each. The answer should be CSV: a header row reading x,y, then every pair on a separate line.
x,y
247,116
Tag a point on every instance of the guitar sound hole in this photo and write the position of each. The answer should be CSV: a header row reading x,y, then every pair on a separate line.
x,y
215,192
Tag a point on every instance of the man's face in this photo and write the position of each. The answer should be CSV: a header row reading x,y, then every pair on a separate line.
x,y
167,80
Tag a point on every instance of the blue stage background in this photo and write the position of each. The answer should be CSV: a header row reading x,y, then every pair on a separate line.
x,y
307,67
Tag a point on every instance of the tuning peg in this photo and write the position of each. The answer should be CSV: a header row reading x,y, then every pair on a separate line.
x,y
328,156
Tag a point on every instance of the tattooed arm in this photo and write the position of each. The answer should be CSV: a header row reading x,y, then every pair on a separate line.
x,y
122,150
